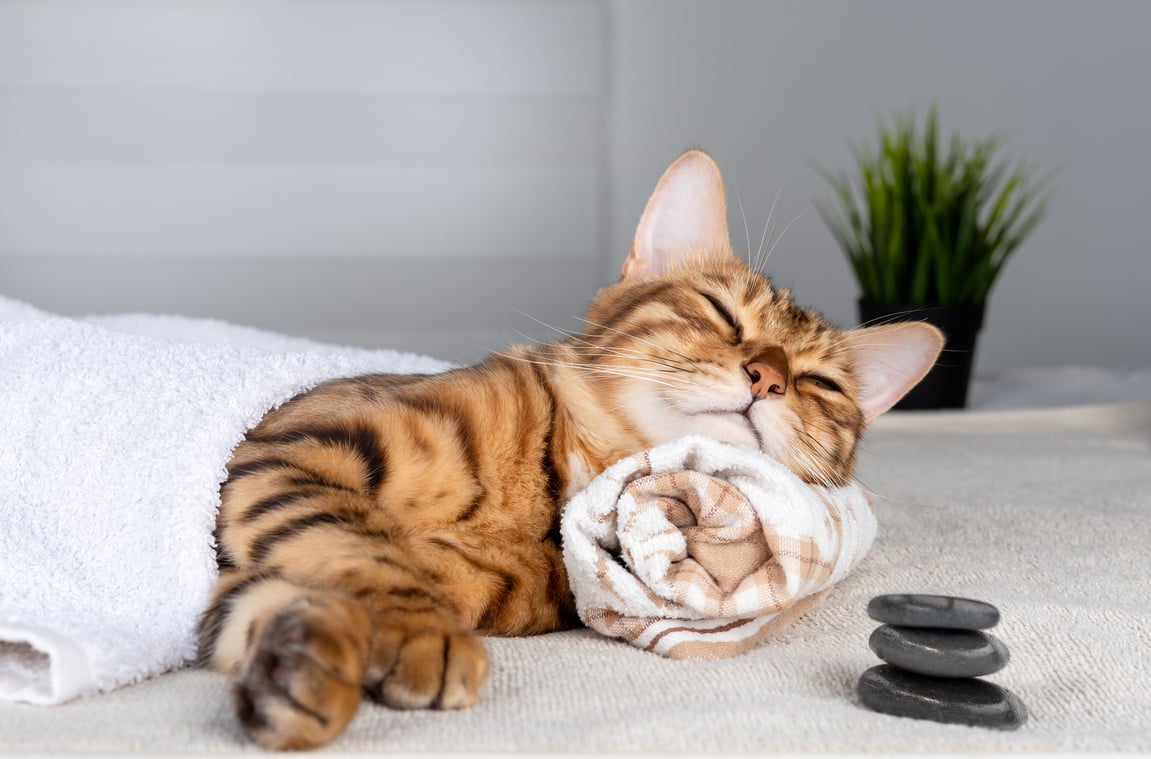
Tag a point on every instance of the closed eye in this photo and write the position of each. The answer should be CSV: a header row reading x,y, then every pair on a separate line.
x,y
821,382
725,314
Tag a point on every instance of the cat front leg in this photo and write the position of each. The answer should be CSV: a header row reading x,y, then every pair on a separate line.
x,y
297,657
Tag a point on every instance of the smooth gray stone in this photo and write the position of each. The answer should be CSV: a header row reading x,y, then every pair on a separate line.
x,y
963,701
940,652
922,610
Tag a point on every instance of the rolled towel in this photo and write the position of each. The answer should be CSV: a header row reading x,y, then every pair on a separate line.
x,y
114,437
697,549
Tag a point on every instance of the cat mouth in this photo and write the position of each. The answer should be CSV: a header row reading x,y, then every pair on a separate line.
x,y
752,426
727,414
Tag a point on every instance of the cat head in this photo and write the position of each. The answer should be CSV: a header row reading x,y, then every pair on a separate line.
x,y
692,340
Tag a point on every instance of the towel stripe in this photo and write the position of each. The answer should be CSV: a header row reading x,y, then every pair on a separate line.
x,y
667,552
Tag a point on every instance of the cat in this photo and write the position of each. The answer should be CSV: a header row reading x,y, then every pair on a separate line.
x,y
372,528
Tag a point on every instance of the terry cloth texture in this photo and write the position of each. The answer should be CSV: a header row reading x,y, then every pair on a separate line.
x,y
114,436
697,549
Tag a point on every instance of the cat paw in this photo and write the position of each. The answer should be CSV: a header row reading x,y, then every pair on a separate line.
x,y
302,683
426,669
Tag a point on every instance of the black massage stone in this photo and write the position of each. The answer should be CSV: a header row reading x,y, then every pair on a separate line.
x,y
921,610
940,652
964,701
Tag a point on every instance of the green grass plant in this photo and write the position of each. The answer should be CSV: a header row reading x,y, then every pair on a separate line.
x,y
925,226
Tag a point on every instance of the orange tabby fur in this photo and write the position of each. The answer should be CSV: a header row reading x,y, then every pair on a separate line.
x,y
371,526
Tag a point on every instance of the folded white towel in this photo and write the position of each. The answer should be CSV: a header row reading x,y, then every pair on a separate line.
x,y
697,549
114,437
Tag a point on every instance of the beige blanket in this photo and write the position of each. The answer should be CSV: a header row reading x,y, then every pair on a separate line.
x,y
1047,514
698,550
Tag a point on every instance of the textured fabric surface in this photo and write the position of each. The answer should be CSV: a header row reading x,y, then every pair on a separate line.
x,y
1046,514
113,445
698,550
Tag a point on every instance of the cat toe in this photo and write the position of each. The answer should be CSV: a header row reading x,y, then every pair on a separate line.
x,y
428,670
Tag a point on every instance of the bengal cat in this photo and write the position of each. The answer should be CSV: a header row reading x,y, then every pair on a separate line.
x,y
372,528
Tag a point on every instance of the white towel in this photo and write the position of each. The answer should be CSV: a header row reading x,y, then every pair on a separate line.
x,y
114,437
697,549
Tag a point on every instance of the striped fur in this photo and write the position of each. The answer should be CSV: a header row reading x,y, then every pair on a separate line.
x,y
371,527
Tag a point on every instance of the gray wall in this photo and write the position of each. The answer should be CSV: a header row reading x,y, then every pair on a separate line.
x,y
403,174
766,86
416,174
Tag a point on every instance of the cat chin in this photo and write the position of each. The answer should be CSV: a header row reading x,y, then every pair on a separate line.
x,y
661,422
728,428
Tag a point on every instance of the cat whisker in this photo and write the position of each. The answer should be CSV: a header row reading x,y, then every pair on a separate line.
x,y
602,370
643,378
822,476
625,352
591,375
617,372
867,490
742,215
865,445
590,352
584,345
771,249
880,346
519,334
892,318
665,364
542,323
637,339
816,442
817,470
761,262
807,467
844,339
822,470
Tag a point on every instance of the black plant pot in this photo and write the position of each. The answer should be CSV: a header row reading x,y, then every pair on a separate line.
x,y
945,386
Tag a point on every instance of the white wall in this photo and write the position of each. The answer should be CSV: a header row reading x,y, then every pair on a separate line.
x,y
768,85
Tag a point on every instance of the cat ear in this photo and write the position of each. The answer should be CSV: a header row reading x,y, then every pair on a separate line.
x,y
890,360
686,217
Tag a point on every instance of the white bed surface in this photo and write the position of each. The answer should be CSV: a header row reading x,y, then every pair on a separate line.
x,y
1045,387
1046,513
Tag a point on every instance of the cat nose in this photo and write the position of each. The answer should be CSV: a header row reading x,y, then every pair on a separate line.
x,y
767,378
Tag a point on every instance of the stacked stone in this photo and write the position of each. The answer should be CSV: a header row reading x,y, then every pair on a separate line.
x,y
936,651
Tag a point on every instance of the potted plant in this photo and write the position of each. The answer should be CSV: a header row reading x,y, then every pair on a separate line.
x,y
927,233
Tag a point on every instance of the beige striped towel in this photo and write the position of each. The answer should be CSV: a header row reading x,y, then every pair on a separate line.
x,y
697,549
